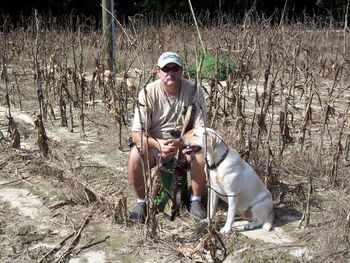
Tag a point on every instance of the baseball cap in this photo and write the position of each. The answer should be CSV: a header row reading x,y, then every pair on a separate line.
x,y
169,57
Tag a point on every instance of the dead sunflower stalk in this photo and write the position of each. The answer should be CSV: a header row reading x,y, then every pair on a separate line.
x,y
151,221
38,77
41,137
329,111
12,126
307,118
15,135
347,142
338,151
265,98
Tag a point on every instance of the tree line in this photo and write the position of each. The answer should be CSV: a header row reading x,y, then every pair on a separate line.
x,y
294,10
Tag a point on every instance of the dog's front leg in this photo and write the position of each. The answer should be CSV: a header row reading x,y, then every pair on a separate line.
x,y
232,201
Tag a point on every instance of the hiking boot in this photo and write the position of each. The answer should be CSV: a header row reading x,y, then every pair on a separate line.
x,y
139,212
197,210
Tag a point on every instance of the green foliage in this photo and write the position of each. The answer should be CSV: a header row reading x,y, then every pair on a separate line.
x,y
175,8
213,65
118,65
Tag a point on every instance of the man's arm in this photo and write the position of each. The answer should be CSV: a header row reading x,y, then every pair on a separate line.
x,y
167,148
152,143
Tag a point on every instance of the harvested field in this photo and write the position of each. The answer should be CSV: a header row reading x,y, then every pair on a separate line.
x,y
65,121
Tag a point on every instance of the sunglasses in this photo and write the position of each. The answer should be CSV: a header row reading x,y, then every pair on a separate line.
x,y
168,69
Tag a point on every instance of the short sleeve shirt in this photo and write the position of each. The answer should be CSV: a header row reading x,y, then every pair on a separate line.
x,y
166,113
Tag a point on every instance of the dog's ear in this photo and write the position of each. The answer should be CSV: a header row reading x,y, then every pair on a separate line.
x,y
213,139
190,132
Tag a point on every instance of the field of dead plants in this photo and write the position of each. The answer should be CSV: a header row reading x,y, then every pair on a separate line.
x,y
65,120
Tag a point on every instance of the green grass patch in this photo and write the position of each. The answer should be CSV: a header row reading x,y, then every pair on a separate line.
x,y
213,65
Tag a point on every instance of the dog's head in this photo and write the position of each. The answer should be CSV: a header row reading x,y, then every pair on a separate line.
x,y
195,140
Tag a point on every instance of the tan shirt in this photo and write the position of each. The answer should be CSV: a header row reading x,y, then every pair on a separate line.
x,y
166,113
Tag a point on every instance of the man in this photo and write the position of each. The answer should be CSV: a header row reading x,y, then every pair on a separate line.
x,y
162,104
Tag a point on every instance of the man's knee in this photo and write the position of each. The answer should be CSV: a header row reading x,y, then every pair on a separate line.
x,y
135,157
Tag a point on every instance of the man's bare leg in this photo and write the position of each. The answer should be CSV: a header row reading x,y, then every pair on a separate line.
x,y
136,178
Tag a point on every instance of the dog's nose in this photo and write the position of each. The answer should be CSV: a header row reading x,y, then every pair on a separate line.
x,y
181,140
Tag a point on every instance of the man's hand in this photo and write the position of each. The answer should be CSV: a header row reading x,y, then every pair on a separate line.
x,y
168,148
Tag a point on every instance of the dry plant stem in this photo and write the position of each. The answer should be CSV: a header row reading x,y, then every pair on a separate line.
x,y
199,58
239,106
269,180
285,135
71,118
60,204
41,137
241,79
15,135
38,77
264,107
328,111
18,91
212,242
93,244
120,117
4,73
247,16
63,112
75,99
347,142
346,27
57,247
45,77
207,172
215,102
306,205
196,24
175,190
151,221
250,130
282,15
77,236
118,106
14,181
338,151
82,82
307,117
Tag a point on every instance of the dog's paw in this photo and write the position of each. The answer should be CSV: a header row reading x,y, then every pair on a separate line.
x,y
225,230
250,226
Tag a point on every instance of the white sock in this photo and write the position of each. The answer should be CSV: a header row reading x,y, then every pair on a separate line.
x,y
195,198
140,200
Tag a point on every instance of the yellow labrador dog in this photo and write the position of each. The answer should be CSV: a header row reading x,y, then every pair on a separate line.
x,y
232,179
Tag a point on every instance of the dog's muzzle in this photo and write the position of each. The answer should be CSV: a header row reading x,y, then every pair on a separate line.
x,y
191,149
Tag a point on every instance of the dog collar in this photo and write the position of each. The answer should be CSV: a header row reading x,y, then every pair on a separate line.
x,y
215,165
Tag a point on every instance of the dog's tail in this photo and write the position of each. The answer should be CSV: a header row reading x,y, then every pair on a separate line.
x,y
268,223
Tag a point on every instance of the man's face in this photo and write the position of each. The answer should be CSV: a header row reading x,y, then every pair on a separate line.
x,y
170,74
